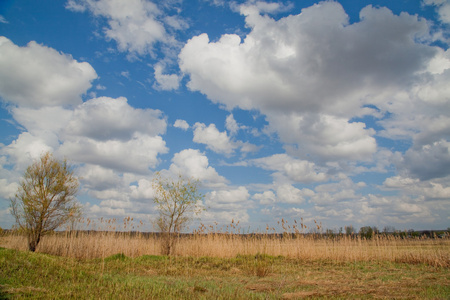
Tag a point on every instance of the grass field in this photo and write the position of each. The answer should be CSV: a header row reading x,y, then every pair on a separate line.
x,y
41,276
224,265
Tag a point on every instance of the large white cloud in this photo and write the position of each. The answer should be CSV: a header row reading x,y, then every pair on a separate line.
x,y
427,162
37,76
311,73
228,205
114,119
313,61
220,142
214,139
324,137
44,119
138,154
193,163
288,169
135,25
110,133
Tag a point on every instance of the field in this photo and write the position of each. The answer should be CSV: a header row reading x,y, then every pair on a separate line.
x,y
224,265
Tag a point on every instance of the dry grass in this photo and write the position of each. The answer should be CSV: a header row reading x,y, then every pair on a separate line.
x,y
228,243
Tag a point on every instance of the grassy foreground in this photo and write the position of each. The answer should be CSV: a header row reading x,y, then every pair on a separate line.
x,y
41,276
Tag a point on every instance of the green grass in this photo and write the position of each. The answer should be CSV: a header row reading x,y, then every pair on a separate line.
x,y
40,276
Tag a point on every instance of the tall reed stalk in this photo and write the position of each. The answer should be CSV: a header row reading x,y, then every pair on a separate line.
x,y
228,242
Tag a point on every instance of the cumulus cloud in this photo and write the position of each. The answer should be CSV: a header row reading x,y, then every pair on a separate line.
x,y
44,119
282,65
37,76
214,139
95,177
442,7
265,198
110,133
324,137
135,25
166,82
291,169
436,189
143,190
287,193
218,141
193,163
310,92
182,124
427,162
28,147
107,118
231,124
138,154
228,205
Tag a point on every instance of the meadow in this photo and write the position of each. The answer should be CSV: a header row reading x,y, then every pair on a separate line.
x,y
224,263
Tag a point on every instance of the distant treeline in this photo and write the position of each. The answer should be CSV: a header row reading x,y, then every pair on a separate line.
x,y
364,233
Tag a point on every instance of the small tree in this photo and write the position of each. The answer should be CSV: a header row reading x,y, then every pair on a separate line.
x,y
349,230
177,202
45,198
366,232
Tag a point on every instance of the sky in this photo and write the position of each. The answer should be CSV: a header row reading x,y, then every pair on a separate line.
x,y
333,111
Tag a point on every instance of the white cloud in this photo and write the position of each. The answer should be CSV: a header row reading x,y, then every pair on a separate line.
x,y
164,81
214,139
427,162
114,119
325,137
95,177
231,125
143,190
442,7
311,73
37,76
192,163
282,65
135,25
219,142
228,205
3,20
182,124
7,190
436,189
46,119
263,7
287,193
265,198
137,154
28,147
288,168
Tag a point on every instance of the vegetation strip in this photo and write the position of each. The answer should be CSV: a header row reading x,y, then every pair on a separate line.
x,y
35,275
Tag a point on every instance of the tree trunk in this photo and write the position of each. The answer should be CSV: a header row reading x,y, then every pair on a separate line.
x,y
33,241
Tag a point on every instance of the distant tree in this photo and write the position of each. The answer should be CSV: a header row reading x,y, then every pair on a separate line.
x,y
388,229
45,198
366,232
349,230
177,202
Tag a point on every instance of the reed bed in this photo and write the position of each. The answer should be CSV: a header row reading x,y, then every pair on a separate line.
x,y
105,242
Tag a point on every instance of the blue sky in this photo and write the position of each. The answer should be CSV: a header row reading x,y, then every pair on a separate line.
x,y
331,111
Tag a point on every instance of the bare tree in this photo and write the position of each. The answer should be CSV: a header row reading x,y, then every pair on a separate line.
x,y
45,198
177,202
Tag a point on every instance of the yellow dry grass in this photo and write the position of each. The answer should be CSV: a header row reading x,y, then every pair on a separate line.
x,y
100,244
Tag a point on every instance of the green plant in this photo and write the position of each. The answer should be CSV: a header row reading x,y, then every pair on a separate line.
x,y
176,200
45,198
